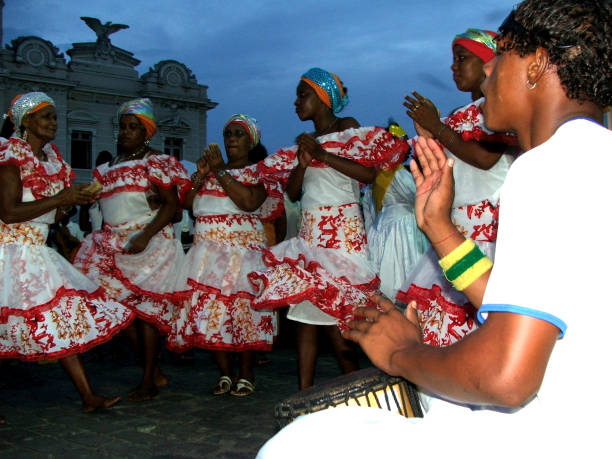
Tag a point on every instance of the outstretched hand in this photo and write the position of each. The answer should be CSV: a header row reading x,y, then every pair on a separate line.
x,y
422,111
435,185
383,332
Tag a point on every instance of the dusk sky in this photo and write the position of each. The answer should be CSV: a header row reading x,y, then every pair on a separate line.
x,y
251,54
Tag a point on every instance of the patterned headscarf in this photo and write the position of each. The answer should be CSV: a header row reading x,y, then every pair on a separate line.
x,y
143,110
249,124
479,42
24,104
328,87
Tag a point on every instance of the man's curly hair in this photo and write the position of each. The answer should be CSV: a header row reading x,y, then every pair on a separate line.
x,y
577,34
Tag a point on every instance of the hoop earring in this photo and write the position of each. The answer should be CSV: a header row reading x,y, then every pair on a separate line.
x,y
530,86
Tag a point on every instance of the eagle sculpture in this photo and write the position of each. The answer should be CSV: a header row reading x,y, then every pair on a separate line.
x,y
103,30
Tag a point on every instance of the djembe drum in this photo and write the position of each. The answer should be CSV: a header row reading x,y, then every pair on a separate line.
x,y
369,387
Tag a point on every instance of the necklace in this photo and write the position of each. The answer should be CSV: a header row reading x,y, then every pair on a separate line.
x,y
134,155
331,125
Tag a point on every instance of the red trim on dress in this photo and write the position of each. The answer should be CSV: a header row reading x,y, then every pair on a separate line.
x,y
32,313
79,349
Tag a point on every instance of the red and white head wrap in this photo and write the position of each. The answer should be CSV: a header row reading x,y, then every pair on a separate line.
x,y
479,42
249,124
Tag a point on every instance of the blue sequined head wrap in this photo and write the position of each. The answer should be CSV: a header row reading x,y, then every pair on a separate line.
x,y
328,88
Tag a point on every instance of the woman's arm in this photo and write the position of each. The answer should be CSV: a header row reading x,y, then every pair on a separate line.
x,y
13,210
348,167
168,203
482,155
197,179
247,197
432,207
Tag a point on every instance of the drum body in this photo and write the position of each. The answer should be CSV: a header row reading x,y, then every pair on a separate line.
x,y
369,387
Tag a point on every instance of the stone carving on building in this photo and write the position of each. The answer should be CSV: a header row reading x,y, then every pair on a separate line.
x,y
172,73
36,52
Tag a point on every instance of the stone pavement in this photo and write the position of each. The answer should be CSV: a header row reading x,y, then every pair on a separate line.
x,y
44,419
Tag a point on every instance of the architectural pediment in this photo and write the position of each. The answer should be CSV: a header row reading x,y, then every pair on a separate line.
x,y
171,73
36,52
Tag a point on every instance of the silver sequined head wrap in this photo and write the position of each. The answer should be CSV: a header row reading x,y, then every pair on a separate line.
x,y
27,103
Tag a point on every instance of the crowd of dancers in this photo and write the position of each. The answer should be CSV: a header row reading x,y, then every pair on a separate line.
x,y
375,236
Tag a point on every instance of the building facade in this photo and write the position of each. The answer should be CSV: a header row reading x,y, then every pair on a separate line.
x,y
89,88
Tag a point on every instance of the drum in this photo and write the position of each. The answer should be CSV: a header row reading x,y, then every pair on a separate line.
x,y
369,387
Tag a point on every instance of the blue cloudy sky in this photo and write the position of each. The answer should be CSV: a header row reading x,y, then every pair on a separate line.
x,y
251,53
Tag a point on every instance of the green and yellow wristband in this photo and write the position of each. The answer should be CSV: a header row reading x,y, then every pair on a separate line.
x,y
465,264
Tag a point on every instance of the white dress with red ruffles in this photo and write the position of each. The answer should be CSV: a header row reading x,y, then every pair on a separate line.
x,y
143,281
324,271
445,314
216,312
48,309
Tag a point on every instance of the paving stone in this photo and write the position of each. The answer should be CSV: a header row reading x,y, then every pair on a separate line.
x,y
44,418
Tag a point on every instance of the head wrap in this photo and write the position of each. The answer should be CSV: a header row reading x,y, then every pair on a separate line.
x,y
479,42
249,124
143,110
328,87
24,104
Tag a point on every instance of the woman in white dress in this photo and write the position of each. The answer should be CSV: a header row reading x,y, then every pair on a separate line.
x,y
48,310
317,270
482,159
229,201
135,256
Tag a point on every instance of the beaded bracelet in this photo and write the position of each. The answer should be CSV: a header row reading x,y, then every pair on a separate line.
x,y
465,264
452,139
196,182
440,130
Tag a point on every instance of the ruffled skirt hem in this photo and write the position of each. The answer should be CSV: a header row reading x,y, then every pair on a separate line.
x,y
294,276
71,323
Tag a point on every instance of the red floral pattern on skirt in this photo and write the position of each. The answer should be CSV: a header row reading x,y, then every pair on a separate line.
x,y
214,311
298,272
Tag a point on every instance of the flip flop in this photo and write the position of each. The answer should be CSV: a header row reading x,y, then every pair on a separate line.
x,y
243,388
223,386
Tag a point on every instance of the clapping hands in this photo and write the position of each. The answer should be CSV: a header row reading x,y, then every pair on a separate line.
x,y
423,112
435,185
214,158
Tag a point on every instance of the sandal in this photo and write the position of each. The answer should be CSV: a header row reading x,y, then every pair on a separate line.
x,y
243,388
223,386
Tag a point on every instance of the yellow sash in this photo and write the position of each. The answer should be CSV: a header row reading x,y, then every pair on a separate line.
x,y
381,184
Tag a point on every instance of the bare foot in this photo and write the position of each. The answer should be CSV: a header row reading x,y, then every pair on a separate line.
x,y
96,402
159,379
143,393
